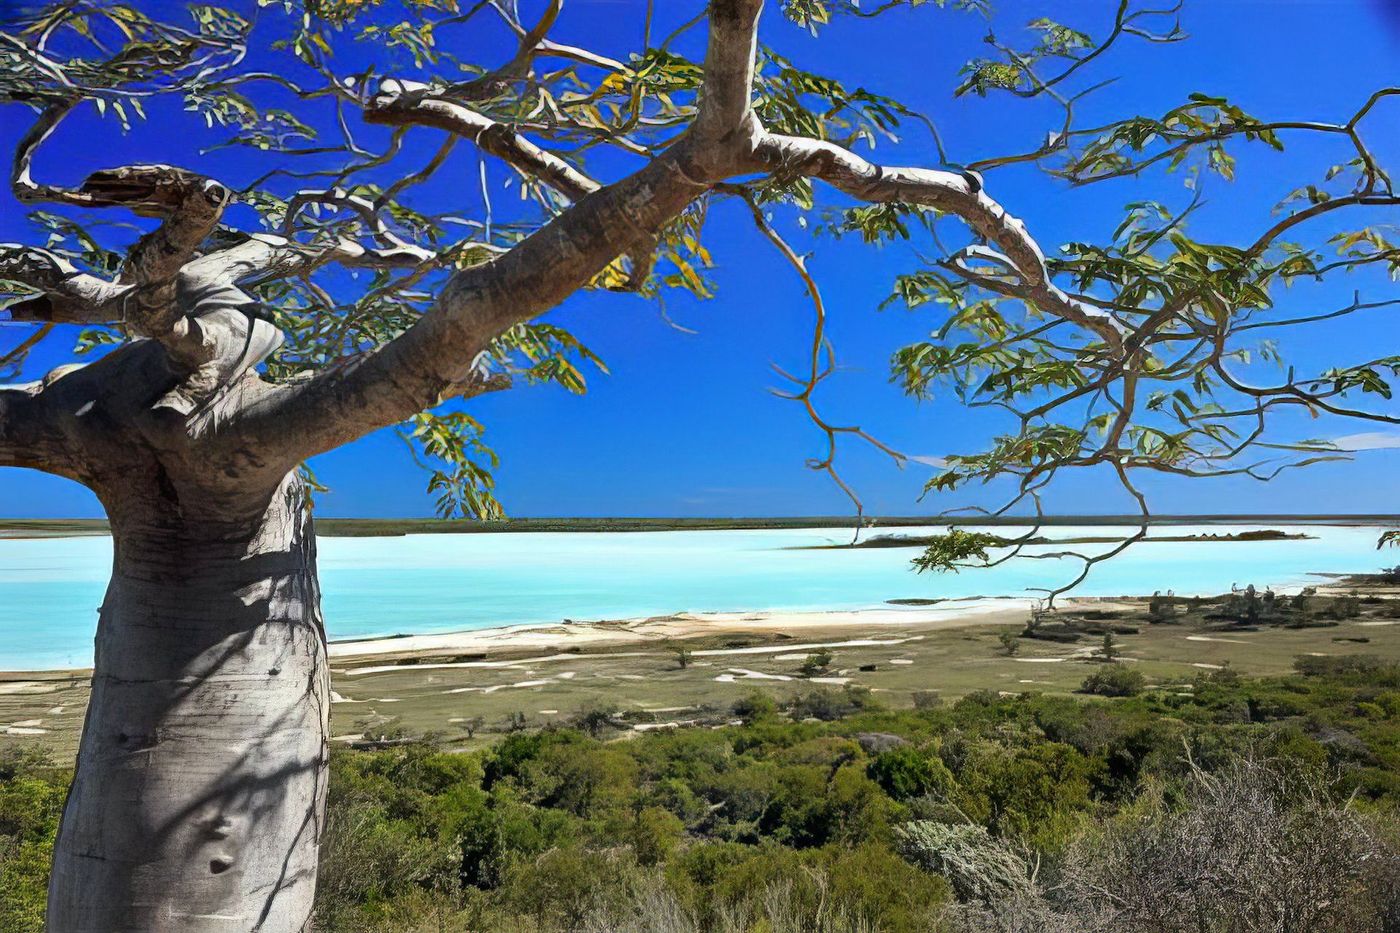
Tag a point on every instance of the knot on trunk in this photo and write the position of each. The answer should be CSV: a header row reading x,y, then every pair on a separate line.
x,y
156,190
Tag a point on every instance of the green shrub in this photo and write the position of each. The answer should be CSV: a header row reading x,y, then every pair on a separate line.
x,y
1114,680
31,799
906,772
829,705
817,663
1348,665
755,705
654,834
926,699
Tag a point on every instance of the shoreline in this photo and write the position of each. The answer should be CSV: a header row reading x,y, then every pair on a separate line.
x,y
489,645
509,642
497,643
680,626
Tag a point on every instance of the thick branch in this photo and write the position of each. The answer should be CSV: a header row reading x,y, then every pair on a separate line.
x,y
726,99
189,206
953,193
429,361
73,297
30,435
403,103
68,296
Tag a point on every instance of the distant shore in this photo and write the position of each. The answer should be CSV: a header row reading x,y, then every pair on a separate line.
x,y
918,541
394,527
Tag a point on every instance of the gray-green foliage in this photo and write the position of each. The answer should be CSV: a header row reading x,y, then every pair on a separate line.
x,y
979,867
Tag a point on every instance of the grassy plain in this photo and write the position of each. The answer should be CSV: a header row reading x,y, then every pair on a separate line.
x,y
635,674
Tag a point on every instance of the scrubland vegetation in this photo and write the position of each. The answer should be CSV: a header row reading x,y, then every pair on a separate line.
x,y
1217,804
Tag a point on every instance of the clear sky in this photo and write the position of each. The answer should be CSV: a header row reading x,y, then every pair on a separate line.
x,y
685,423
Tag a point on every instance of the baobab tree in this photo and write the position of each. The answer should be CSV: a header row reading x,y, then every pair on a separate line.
x,y
232,346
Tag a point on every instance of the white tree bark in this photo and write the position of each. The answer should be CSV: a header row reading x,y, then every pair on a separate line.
x,y
200,788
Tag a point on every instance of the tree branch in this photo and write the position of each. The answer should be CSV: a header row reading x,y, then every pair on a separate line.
x,y
189,206
30,435
425,364
954,193
404,103
401,103
68,296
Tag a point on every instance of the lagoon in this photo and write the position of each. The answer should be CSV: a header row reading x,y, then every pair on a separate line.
x,y
50,588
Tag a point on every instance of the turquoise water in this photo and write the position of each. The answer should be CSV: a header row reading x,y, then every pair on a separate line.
x,y
50,588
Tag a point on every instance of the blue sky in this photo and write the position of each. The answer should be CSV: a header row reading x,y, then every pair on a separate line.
x,y
685,423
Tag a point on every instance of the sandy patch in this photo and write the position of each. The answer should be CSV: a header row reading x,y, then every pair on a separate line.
x,y
655,726
770,649
490,665
26,727
523,683
1233,641
607,633
756,675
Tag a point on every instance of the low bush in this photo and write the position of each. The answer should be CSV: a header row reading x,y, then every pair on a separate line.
x,y
1114,680
1170,811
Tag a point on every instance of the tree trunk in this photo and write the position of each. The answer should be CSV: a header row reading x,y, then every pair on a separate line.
x,y
201,778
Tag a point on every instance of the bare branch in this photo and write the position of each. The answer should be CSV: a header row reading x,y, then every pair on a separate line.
x,y
953,193
67,295
263,257
820,346
403,103
29,434
190,206
22,183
